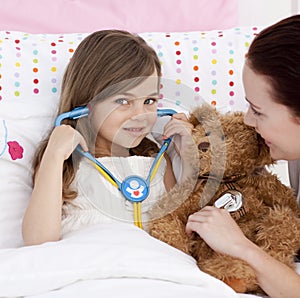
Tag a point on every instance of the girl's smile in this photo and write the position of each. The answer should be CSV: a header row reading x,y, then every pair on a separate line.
x,y
124,119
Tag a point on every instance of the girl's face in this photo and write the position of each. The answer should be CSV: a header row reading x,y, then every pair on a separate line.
x,y
273,121
123,120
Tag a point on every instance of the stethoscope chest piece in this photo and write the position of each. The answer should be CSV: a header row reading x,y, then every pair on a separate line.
x,y
232,200
134,189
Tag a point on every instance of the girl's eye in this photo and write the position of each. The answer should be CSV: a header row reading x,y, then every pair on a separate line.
x,y
122,101
150,101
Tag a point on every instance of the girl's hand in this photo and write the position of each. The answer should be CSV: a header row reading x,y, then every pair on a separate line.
x,y
218,230
181,129
63,141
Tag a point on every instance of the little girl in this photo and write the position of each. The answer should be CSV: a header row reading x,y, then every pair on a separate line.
x,y
117,75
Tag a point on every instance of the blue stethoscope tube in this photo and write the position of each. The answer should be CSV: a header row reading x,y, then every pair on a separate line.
x,y
133,188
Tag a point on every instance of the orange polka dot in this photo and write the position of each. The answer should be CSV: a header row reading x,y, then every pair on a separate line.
x,y
195,67
177,43
35,69
213,102
230,72
71,50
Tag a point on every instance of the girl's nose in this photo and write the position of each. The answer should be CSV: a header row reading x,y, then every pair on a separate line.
x,y
138,112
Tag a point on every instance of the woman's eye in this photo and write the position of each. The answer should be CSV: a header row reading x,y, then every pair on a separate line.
x,y
255,112
122,101
150,101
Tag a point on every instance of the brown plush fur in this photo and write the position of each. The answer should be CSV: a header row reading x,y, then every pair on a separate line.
x,y
231,156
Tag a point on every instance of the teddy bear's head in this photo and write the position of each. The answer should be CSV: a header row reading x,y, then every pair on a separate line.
x,y
226,146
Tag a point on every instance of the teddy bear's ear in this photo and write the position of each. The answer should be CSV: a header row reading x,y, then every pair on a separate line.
x,y
202,113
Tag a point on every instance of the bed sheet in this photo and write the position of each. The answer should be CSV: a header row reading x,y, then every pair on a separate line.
x,y
115,260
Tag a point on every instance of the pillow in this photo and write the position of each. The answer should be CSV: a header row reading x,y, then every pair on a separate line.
x,y
195,65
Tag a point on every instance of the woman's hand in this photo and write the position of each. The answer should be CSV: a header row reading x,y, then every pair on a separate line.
x,y
218,230
63,141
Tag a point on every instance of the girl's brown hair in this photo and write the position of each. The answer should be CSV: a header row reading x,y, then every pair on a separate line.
x,y
103,59
275,53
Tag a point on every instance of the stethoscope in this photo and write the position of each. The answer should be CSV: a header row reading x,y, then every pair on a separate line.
x,y
134,188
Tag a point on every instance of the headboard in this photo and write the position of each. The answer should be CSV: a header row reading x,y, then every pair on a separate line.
x,y
68,16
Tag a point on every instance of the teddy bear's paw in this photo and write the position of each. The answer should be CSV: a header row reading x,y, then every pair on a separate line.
x,y
239,285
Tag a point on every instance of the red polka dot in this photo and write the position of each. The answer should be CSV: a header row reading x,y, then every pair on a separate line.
x,y
196,79
35,81
53,44
17,41
231,84
178,52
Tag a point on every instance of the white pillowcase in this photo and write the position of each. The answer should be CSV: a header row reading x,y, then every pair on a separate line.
x,y
195,65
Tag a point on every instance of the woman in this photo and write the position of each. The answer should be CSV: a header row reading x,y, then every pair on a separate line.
x,y
271,78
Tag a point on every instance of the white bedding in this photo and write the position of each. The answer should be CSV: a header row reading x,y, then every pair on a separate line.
x,y
115,260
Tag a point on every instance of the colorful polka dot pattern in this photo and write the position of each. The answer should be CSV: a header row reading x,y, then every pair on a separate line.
x,y
208,64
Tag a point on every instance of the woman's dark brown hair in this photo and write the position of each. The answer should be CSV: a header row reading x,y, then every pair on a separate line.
x,y
275,53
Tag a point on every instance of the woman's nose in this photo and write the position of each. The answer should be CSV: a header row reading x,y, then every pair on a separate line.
x,y
249,118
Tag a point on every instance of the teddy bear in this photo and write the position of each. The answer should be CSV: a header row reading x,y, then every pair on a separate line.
x,y
231,163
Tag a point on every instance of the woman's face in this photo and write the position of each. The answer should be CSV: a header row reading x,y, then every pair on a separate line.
x,y
273,121
123,120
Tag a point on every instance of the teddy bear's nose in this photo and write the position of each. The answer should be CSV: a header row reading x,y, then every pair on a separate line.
x,y
203,146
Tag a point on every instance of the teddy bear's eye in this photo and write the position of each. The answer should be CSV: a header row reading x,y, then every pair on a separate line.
x,y
223,137
207,133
